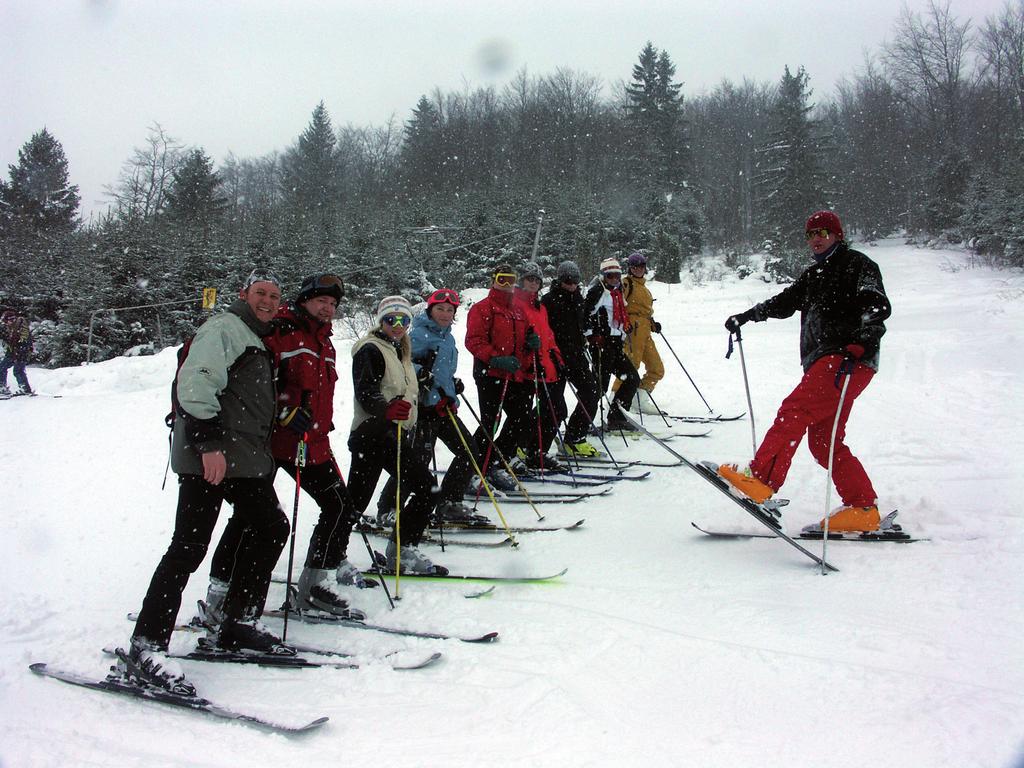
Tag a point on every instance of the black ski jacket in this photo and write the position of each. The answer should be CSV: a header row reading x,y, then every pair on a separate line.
x,y
568,320
841,301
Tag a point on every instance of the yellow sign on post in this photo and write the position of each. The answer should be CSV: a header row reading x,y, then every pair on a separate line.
x,y
209,298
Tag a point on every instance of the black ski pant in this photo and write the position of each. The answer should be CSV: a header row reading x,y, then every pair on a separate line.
x,y
544,418
609,359
431,427
516,406
199,502
374,452
585,384
328,545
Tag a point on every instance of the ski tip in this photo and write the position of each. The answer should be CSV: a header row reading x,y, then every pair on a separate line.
x,y
38,668
490,637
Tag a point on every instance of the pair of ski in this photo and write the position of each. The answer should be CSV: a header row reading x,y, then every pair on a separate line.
x,y
765,514
205,651
893,535
371,526
381,562
12,395
541,497
126,679
119,683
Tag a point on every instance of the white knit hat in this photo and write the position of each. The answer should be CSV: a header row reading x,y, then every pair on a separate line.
x,y
610,264
393,305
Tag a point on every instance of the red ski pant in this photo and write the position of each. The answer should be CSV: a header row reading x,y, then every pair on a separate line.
x,y
811,408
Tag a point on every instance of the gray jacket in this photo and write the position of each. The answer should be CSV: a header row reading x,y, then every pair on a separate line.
x,y
226,396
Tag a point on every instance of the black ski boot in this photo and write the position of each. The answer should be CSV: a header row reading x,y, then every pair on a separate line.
x,y
147,663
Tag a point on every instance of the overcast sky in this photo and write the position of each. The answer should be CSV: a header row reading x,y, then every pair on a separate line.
x,y
244,75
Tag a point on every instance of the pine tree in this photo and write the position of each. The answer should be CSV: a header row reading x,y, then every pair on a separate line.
x,y
39,197
419,157
789,177
654,113
311,181
194,195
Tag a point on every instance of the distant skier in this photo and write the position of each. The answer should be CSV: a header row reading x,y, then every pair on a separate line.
x,y
386,396
843,306
609,323
17,338
564,303
640,347
221,450
306,375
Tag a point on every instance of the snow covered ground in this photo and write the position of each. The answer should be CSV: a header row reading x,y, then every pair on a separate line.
x,y
660,647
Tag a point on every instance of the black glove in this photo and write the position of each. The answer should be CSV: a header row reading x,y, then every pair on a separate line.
x,y
425,378
655,325
559,365
459,387
735,321
508,363
298,420
532,341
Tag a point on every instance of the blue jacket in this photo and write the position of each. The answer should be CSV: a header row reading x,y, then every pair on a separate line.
x,y
429,340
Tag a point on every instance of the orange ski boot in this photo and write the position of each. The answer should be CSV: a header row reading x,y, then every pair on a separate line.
x,y
852,520
743,481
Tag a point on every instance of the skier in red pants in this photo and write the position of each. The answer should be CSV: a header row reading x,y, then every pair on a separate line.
x,y
843,306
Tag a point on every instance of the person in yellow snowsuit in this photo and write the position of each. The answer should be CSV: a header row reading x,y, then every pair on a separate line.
x,y
639,345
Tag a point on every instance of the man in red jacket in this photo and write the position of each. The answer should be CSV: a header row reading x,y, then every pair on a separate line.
x,y
496,336
306,376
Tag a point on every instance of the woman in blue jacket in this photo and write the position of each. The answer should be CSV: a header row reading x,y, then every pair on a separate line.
x,y
435,356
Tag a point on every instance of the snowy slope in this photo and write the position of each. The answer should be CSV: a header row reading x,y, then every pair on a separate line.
x,y
660,647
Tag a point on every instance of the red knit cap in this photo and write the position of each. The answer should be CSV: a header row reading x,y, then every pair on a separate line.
x,y
826,220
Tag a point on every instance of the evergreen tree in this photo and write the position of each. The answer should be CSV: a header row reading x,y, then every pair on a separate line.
x,y
194,195
39,197
654,114
789,177
420,147
311,180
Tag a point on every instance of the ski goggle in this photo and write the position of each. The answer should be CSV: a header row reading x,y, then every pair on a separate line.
x,y
401,320
328,281
813,233
444,296
505,278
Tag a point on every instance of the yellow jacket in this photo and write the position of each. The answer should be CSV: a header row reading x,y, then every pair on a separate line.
x,y
639,302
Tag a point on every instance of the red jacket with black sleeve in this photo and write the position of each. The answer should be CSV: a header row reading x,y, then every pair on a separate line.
x,y
537,319
306,375
496,326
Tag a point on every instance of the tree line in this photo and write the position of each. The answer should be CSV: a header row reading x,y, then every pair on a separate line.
x,y
925,137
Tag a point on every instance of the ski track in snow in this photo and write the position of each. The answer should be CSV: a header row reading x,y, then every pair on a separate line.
x,y
660,647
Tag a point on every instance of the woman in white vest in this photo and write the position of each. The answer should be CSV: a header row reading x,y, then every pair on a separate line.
x,y
385,394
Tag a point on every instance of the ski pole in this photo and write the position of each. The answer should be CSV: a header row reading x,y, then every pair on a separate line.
x,y
686,371
661,412
848,371
398,514
300,462
366,541
504,461
555,421
483,481
746,385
